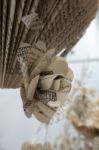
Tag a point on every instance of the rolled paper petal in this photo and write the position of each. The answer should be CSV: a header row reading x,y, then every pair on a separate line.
x,y
46,82
45,109
70,75
53,104
40,116
28,105
43,63
62,97
46,94
28,108
58,65
23,93
32,88
56,85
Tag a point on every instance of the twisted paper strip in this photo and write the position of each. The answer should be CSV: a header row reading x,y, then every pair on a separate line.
x,y
46,87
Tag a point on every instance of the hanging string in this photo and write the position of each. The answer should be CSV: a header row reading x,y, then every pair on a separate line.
x,y
46,135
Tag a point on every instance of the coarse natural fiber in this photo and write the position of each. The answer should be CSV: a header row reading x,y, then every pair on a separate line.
x,y
59,23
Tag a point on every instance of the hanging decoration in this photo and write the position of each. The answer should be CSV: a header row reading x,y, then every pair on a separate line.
x,y
46,84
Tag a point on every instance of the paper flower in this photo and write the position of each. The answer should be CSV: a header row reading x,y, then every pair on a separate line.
x,y
47,86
